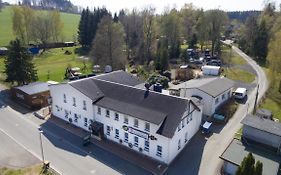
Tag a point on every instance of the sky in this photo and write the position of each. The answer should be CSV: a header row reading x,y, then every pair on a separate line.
x,y
227,5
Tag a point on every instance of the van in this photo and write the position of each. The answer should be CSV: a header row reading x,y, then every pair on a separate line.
x,y
240,93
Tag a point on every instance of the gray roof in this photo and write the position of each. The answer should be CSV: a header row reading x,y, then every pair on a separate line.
x,y
263,124
120,77
145,105
213,86
236,152
34,88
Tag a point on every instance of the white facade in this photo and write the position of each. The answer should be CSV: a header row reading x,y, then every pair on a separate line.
x,y
210,103
163,149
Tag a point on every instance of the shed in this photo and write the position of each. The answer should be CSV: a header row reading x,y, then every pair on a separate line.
x,y
262,132
236,151
211,70
33,95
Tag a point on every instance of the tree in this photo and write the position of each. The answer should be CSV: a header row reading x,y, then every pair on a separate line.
x,y
148,32
201,26
18,64
162,55
108,44
261,42
56,26
1,5
258,168
18,23
83,27
248,166
216,19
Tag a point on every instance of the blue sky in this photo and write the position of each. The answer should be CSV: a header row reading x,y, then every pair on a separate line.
x,y
116,5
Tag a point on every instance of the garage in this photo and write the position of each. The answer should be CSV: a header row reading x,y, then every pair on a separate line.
x,y
34,95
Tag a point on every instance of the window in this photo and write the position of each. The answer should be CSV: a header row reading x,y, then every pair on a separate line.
x,y
108,130
146,145
185,137
179,127
182,123
116,117
223,96
85,121
116,133
64,98
99,110
136,141
75,118
136,123
217,101
84,105
190,117
126,120
159,151
74,101
187,119
179,144
126,137
147,127
107,113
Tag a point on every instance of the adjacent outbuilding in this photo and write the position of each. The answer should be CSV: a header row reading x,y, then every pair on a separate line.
x,y
33,95
212,91
236,151
263,132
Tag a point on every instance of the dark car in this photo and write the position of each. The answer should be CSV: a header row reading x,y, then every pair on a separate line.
x,y
214,63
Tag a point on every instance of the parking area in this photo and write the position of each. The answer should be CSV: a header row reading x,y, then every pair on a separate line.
x,y
12,155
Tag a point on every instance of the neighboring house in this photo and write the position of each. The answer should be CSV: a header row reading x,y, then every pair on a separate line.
x,y
236,151
212,91
33,95
109,106
262,131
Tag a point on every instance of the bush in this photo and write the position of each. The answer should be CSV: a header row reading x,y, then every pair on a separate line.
x,y
156,78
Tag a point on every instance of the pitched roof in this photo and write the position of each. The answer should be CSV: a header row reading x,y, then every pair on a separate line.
x,y
34,88
120,77
145,105
263,124
236,151
213,86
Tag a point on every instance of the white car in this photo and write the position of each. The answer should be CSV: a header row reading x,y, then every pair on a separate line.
x,y
240,93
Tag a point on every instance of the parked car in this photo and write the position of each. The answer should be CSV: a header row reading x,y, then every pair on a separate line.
x,y
240,93
214,63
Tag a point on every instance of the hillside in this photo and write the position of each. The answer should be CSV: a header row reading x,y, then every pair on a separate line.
x,y
6,33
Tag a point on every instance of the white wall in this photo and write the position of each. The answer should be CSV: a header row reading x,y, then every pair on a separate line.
x,y
191,129
59,107
161,141
209,105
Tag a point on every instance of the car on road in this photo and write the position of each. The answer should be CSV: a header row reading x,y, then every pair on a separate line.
x,y
240,93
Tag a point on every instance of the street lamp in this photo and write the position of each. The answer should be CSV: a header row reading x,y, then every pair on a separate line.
x,y
41,145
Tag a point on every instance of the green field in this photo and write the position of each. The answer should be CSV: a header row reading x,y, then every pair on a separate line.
x,y
55,62
33,170
6,33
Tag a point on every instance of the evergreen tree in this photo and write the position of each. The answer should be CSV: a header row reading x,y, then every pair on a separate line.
x,y
261,42
83,28
18,64
258,168
247,166
115,18
162,55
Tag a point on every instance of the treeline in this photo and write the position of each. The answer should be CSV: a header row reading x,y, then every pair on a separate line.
x,y
61,5
35,27
143,37
260,37
242,15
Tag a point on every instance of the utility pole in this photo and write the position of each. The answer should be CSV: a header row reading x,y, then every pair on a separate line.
x,y
41,145
257,94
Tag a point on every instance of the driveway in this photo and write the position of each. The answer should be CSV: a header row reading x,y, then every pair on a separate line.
x,y
217,143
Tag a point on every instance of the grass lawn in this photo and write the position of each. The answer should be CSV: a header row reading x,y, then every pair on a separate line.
x,y
238,74
6,32
231,57
54,61
34,170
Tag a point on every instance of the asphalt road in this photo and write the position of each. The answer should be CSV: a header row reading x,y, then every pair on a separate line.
x,y
217,143
13,155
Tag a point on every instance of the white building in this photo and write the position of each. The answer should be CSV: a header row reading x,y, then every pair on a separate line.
x,y
109,106
211,91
